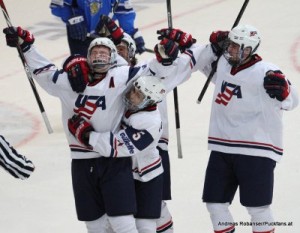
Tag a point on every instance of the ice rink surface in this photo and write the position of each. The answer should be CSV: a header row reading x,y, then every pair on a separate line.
x,y
44,203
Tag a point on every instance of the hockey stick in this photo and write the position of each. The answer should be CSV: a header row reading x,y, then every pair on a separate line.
x,y
215,64
29,76
175,94
149,50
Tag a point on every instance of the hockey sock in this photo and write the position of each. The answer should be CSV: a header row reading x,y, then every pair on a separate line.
x,y
220,217
262,219
97,226
123,224
146,225
165,223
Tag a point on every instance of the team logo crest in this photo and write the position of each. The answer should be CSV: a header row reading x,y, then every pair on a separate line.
x,y
86,105
228,90
95,7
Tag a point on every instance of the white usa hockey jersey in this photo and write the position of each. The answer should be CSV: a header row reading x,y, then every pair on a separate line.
x,y
244,119
178,73
101,103
143,130
137,138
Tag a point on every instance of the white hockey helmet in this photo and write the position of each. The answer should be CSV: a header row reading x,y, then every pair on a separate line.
x,y
102,41
130,44
245,36
151,88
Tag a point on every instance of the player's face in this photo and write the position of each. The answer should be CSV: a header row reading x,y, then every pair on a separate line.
x,y
122,49
134,97
236,54
100,58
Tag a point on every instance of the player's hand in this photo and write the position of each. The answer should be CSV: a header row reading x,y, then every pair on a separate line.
x,y
76,28
116,33
183,39
217,40
17,36
139,41
276,85
77,69
80,129
166,52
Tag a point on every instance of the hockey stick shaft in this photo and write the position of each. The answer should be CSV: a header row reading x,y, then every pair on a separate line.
x,y
27,71
149,50
215,64
175,93
169,12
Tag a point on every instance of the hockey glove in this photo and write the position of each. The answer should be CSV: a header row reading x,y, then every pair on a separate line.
x,y
76,28
80,129
116,33
184,40
276,85
166,52
77,69
17,36
217,40
139,41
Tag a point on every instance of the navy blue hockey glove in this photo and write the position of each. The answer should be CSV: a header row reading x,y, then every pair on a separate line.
x,y
76,28
276,85
217,40
139,41
166,52
77,69
115,32
80,129
17,36
183,39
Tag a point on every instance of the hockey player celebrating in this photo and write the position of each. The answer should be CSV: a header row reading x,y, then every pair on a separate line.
x,y
245,132
14,163
127,49
100,86
148,212
138,137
